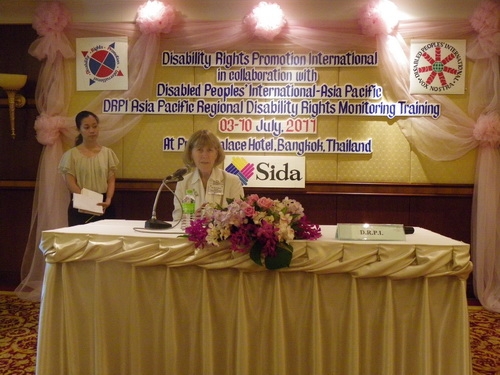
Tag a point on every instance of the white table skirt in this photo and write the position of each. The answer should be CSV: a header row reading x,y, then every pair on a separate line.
x,y
118,301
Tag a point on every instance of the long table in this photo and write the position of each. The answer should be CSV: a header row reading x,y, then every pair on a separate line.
x,y
118,300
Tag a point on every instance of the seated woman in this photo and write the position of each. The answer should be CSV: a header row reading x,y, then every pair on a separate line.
x,y
208,182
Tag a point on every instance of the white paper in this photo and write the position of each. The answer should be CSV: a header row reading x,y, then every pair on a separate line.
x,y
87,201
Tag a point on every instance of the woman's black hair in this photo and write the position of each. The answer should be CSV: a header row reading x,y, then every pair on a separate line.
x,y
78,120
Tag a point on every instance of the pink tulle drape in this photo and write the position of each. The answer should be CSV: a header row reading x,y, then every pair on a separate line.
x,y
451,136
484,104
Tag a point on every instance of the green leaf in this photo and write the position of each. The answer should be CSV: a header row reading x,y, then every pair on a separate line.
x,y
255,252
284,253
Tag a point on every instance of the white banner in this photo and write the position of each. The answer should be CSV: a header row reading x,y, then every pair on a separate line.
x,y
437,67
101,64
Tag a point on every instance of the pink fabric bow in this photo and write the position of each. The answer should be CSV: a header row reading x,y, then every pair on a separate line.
x,y
48,128
51,17
154,17
266,20
378,18
487,129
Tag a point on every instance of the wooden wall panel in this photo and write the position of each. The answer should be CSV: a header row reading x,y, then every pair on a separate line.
x,y
374,209
15,219
450,216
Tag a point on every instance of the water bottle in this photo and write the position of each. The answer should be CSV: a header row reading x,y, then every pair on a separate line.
x,y
188,209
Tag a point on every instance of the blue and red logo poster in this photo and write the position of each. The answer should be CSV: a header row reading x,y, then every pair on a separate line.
x,y
101,64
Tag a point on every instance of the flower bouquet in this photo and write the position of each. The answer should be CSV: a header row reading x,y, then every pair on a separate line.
x,y
260,226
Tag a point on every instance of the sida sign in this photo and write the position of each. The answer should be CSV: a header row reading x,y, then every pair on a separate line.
x,y
268,171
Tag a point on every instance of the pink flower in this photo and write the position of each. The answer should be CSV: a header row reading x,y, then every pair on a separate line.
x,y
241,239
249,210
197,232
265,203
266,235
306,230
252,198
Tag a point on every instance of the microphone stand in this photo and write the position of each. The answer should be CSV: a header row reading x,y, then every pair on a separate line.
x,y
155,223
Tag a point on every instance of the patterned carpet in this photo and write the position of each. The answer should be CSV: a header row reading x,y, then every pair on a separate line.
x,y
484,341
19,324
18,334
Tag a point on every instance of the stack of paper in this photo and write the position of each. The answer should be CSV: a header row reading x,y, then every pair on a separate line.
x,y
87,201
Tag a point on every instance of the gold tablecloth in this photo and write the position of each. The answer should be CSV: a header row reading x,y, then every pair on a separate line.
x,y
118,300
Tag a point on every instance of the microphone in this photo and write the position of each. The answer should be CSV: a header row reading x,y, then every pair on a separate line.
x,y
177,175
409,230
154,223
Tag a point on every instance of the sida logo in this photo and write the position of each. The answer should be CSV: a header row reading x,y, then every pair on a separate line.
x,y
437,67
241,168
268,171
102,64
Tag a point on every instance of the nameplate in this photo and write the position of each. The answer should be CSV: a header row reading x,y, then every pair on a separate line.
x,y
371,232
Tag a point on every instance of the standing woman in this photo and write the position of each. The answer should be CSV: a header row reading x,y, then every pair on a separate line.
x,y
209,183
89,165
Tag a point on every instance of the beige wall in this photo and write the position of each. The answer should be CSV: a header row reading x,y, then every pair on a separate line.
x,y
392,161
